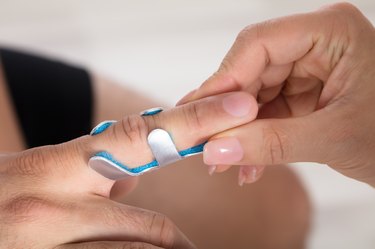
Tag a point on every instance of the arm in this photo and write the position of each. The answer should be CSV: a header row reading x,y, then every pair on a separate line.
x,y
286,225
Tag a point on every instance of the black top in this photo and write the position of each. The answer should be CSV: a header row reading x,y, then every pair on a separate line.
x,y
54,101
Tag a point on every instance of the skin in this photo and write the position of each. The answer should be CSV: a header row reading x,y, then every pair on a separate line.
x,y
314,76
257,219
173,193
50,191
218,198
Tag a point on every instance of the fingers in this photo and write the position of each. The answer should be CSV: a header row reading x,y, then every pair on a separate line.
x,y
108,245
193,123
188,125
264,54
273,141
257,47
105,220
34,208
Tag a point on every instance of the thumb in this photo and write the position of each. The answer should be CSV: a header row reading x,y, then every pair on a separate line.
x,y
274,141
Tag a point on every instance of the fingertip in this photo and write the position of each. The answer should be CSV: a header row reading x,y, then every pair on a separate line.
x,y
255,107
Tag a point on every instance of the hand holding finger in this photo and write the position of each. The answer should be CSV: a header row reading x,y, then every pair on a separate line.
x,y
311,74
51,190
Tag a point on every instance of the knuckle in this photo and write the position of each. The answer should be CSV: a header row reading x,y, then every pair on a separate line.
x,y
247,31
345,6
29,163
247,34
275,144
253,35
256,31
117,215
345,12
163,227
227,64
134,128
192,116
25,208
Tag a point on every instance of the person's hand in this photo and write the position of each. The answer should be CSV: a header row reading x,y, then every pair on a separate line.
x,y
314,76
50,198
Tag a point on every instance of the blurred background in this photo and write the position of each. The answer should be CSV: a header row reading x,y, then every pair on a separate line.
x,y
167,48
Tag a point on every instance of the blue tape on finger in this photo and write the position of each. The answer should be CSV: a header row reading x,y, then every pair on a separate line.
x,y
161,145
136,170
152,111
102,127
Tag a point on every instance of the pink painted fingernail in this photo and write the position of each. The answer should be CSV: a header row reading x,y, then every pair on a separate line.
x,y
237,104
223,151
211,169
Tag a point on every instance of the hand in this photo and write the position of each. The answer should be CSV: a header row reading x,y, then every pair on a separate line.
x,y
50,198
314,76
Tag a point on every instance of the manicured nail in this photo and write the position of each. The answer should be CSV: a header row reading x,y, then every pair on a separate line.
x,y
248,174
241,178
211,169
223,151
186,97
237,104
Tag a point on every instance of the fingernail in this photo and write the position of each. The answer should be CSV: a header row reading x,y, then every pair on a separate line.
x,y
223,151
248,174
186,97
241,178
211,169
237,104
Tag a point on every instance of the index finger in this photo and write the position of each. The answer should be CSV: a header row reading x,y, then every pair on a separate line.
x,y
126,142
272,47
